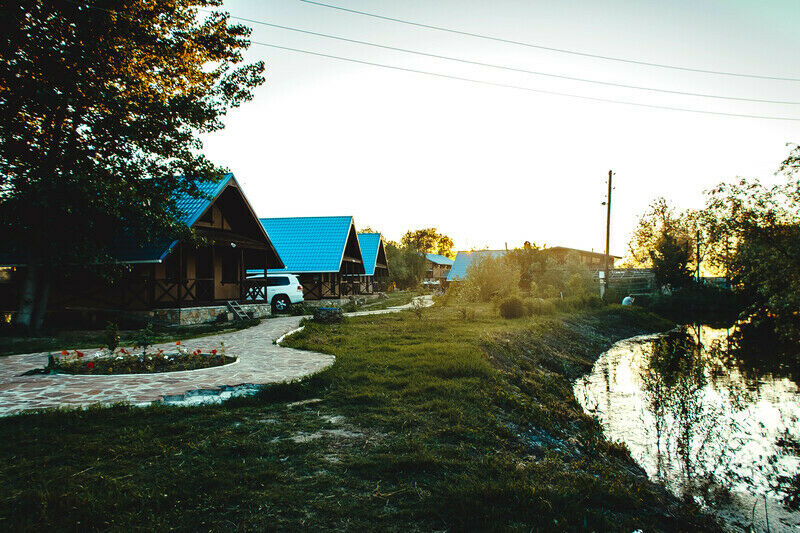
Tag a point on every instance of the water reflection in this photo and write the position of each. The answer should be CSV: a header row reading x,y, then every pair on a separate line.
x,y
693,416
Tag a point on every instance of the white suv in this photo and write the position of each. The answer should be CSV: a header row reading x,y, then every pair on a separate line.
x,y
283,290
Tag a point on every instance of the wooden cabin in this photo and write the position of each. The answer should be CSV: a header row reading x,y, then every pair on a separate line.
x,y
437,269
376,267
323,252
175,274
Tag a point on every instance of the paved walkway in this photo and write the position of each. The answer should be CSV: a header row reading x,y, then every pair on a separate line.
x,y
259,362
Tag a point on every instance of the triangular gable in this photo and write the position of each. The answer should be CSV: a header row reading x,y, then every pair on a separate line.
x,y
372,250
314,244
193,209
464,259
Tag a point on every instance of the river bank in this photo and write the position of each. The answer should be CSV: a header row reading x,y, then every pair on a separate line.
x,y
436,420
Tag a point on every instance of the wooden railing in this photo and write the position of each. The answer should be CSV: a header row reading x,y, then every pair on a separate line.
x,y
254,290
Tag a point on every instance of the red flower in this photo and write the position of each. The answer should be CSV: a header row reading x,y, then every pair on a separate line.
x,y
89,365
64,352
178,343
213,352
79,354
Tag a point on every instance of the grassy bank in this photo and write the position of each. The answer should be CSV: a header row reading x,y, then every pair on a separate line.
x,y
433,423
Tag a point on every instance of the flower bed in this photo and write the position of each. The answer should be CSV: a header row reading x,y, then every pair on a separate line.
x,y
122,361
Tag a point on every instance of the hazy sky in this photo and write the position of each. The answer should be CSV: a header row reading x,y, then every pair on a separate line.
x,y
490,165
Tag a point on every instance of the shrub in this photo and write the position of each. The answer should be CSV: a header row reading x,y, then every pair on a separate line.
x,y
539,306
111,336
512,307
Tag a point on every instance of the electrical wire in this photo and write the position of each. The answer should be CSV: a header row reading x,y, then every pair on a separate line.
x,y
522,88
550,48
512,69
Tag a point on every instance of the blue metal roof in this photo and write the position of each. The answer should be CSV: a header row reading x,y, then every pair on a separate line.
x,y
190,207
309,244
126,250
439,259
370,244
464,259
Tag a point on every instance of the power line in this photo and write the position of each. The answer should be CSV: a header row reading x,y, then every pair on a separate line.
x,y
522,88
513,69
504,85
550,48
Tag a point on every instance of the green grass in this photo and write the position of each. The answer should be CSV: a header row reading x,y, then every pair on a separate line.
x,y
91,339
424,424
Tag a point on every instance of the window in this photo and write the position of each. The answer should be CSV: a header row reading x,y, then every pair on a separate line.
x,y
230,266
277,281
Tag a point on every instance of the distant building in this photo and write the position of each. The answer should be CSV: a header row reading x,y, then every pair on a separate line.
x,y
593,260
437,268
458,271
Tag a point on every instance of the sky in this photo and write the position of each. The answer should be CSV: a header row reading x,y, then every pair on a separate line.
x,y
493,166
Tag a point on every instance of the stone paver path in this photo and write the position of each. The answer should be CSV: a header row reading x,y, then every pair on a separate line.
x,y
259,362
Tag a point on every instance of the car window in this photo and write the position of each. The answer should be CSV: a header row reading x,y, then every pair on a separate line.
x,y
277,281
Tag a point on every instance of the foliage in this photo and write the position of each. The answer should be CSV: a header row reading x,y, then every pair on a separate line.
x,y
512,307
145,338
532,262
102,107
490,278
665,241
111,336
428,241
407,265
670,260
754,237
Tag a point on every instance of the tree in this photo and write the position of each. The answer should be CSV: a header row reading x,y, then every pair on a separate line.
x,y
101,108
664,240
406,265
754,238
429,241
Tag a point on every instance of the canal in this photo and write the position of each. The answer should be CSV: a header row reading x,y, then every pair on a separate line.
x,y
706,422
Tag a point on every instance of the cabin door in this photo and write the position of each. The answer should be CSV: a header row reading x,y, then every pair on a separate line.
x,y
205,274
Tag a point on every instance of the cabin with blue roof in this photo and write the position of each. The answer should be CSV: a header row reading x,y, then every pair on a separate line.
x,y
171,273
376,267
458,272
323,252
437,268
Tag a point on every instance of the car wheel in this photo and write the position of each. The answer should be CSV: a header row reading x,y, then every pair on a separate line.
x,y
281,304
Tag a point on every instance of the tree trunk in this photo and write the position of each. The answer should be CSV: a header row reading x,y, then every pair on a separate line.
x,y
41,300
27,299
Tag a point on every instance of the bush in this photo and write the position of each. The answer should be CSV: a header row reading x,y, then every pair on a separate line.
x,y
111,336
539,306
512,307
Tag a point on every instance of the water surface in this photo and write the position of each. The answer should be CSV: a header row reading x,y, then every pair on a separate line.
x,y
695,418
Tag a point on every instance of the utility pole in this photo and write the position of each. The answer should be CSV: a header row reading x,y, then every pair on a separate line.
x,y
608,224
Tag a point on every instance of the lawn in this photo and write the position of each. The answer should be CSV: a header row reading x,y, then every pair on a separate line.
x,y
449,422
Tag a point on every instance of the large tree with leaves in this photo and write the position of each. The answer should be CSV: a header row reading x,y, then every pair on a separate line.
x,y
754,238
665,240
101,107
428,241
